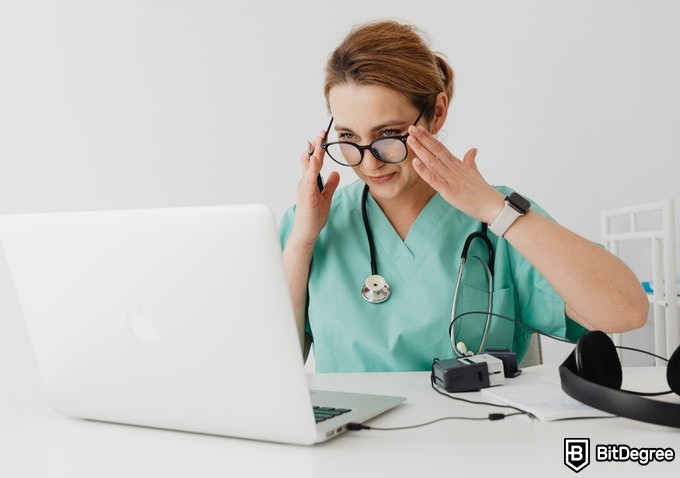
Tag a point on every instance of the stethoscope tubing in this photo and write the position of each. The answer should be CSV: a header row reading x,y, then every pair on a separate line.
x,y
489,313
369,234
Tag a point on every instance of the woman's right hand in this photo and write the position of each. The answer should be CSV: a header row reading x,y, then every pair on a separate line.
x,y
313,206
311,214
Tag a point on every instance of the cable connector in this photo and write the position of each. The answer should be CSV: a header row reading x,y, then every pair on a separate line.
x,y
353,426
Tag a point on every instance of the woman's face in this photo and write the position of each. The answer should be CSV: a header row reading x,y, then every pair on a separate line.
x,y
363,113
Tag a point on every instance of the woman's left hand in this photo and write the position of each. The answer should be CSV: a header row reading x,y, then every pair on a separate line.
x,y
458,181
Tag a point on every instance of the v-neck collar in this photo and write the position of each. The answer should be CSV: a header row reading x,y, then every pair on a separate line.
x,y
389,245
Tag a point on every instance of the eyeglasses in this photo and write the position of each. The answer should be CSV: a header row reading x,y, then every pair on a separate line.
x,y
388,150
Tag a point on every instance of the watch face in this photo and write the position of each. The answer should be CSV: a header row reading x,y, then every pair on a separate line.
x,y
519,203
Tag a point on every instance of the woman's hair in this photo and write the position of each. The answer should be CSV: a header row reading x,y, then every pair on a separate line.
x,y
394,55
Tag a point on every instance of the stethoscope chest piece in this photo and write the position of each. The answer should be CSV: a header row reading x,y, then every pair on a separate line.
x,y
375,290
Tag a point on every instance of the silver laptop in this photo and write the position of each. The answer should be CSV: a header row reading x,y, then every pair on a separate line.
x,y
176,318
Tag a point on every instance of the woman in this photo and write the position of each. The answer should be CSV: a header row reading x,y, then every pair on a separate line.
x,y
389,95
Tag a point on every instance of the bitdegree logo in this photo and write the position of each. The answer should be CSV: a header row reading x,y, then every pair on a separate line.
x,y
577,453
642,456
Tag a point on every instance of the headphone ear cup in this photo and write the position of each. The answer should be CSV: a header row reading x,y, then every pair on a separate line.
x,y
673,372
597,360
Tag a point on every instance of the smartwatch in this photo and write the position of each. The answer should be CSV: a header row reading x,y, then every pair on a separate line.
x,y
515,206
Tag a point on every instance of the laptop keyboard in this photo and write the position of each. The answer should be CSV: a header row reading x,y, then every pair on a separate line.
x,y
324,413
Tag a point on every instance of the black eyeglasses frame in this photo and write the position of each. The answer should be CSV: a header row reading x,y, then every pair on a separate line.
x,y
370,146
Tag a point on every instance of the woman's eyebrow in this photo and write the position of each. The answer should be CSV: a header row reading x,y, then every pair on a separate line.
x,y
395,124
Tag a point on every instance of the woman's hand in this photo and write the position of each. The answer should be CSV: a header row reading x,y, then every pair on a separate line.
x,y
458,181
311,214
312,205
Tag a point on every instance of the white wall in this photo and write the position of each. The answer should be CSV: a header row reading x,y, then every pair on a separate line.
x,y
145,103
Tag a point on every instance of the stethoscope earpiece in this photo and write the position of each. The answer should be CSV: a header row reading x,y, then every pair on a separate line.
x,y
375,289
462,349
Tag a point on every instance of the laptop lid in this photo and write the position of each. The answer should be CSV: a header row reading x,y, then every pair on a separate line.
x,y
175,318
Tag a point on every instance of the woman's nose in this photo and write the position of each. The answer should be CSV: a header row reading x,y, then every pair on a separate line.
x,y
370,162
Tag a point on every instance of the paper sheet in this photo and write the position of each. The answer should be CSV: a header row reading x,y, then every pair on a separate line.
x,y
543,399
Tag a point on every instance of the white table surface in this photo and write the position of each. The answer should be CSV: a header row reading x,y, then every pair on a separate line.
x,y
36,442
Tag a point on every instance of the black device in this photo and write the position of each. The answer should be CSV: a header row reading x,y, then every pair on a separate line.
x,y
592,375
509,361
466,374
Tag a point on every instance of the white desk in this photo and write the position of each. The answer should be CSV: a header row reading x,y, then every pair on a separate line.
x,y
36,442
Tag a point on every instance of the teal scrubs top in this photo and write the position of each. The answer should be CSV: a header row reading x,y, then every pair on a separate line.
x,y
409,330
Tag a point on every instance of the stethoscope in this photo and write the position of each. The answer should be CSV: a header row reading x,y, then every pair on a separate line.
x,y
459,347
376,289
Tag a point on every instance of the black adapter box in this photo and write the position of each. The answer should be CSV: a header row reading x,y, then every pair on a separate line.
x,y
467,374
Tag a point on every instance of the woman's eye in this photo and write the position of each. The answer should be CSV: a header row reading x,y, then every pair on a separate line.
x,y
389,132
345,136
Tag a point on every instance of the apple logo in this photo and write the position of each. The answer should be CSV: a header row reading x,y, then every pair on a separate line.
x,y
142,326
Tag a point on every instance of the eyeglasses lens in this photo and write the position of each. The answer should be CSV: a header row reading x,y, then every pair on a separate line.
x,y
388,150
345,153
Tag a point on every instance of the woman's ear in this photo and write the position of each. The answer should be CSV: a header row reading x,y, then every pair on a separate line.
x,y
441,110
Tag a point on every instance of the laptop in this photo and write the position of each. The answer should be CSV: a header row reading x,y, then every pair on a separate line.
x,y
174,318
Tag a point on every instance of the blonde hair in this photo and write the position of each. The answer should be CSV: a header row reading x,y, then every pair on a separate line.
x,y
394,55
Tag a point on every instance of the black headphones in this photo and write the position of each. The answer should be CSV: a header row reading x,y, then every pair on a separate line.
x,y
592,375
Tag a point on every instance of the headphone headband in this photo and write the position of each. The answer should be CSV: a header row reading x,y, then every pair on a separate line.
x,y
615,401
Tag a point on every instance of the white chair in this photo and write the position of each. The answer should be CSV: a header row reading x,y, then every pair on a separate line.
x,y
534,355
661,239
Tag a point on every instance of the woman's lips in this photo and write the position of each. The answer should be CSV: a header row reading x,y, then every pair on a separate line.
x,y
383,178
